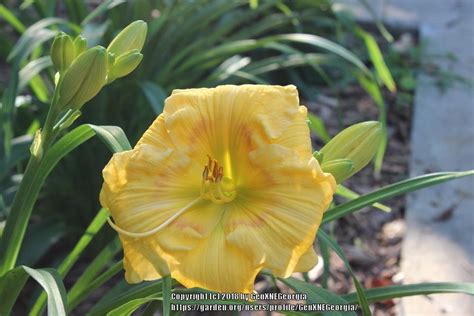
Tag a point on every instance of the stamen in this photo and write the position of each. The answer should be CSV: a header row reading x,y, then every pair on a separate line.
x,y
205,173
211,186
156,229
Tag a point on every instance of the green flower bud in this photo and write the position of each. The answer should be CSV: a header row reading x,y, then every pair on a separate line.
x,y
130,38
84,79
341,169
80,45
124,65
62,52
357,143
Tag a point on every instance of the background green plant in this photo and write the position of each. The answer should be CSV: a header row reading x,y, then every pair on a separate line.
x,y
190,44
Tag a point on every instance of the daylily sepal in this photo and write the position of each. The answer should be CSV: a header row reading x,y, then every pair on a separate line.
x,y
340,169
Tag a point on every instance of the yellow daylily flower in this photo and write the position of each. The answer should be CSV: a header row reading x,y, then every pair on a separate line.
x,y
222,185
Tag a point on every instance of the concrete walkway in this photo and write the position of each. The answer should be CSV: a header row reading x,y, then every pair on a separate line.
x,y
439,245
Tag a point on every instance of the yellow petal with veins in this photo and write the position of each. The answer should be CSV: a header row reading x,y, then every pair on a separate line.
x,y
280,209
222,185
307,261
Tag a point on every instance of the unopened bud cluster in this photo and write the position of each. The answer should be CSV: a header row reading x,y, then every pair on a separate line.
x,y
82,71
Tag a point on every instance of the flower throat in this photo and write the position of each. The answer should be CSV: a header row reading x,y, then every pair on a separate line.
x,y
215,186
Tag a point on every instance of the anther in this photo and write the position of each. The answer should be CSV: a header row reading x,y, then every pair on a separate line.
x,y
205,173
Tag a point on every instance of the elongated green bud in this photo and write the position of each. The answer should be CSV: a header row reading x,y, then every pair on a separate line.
x,y
341,169
130,38
357,143
80,45
84,79
124,65
62,52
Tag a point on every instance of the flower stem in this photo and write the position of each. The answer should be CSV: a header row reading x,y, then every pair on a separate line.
x,y
25,197
20,213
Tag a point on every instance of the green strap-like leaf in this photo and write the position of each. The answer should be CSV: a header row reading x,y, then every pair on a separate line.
x,y
391,191
318,127
396,291
377,60
13,281
129,307
124,293
96,283
32,69
101,9
349,194
19,151
361,297
35,35
99,220
317,295
12,19
113,137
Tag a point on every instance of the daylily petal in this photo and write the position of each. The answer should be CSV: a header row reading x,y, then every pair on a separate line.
x,y
156,135
142,260
145,187
229,121
221,185
280,208
214,264
307,261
